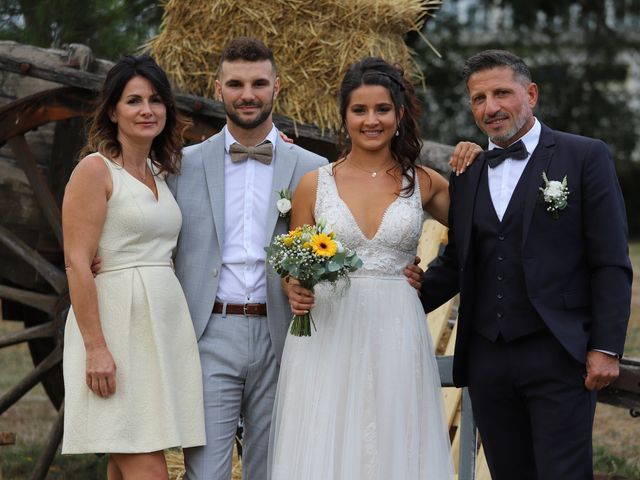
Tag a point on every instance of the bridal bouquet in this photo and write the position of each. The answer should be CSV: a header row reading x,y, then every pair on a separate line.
x,y
311,254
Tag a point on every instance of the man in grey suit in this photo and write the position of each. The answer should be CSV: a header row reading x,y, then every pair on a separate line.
x,y
227,191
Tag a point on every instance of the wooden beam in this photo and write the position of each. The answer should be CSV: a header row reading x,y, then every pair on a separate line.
x,y
31,379
41,190
45,459
58,74
51,274
28,113
7,438
208,114
191,104
44,330
41,301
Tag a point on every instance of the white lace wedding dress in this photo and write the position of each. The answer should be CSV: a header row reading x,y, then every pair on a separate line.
x,y
360,399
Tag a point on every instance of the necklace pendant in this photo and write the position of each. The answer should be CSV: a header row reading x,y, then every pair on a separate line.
x,y
373,174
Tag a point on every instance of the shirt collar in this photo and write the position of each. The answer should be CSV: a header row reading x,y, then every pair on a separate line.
x,y
530,139
272,136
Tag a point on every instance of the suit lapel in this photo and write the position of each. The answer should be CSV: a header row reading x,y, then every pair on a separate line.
x,y
284,165
213,161
467,192
541,159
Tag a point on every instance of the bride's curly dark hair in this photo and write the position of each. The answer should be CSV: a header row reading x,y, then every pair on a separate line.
x,y
406,146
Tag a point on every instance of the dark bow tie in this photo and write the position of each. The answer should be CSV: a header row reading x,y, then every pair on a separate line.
x,y
262,153
496,156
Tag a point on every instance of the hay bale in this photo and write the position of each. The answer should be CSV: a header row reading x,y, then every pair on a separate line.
x,y
314,42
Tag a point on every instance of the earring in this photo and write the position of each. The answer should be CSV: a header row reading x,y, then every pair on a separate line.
x,y
397,132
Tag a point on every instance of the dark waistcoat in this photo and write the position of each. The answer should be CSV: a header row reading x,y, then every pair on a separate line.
x,y
502,306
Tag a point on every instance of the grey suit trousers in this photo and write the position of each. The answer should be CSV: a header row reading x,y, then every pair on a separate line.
x,y
239,371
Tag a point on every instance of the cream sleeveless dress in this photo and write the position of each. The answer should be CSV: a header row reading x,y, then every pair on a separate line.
x,y
360,398
144,316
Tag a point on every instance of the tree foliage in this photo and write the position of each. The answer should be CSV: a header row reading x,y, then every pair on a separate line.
x,y
578,59
580,53
110,27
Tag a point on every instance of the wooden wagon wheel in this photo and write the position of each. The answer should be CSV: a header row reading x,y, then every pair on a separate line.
x,y
40,300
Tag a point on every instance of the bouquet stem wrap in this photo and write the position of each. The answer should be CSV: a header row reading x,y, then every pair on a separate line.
x,y
301,324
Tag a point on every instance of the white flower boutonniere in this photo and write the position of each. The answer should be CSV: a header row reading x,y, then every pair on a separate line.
x,y
555,194
284,204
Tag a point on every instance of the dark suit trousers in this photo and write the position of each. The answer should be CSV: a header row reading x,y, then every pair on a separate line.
x,y
533,412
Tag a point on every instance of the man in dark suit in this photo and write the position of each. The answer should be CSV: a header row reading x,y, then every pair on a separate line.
x,y
538,250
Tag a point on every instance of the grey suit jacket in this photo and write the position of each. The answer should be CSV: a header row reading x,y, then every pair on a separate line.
x,y
199,191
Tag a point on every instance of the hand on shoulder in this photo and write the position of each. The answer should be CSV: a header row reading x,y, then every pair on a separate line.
x,y
463,156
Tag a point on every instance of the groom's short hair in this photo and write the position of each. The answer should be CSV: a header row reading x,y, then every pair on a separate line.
x,y
248,49
488,59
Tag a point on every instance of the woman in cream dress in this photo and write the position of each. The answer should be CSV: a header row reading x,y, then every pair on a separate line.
x,y
131,368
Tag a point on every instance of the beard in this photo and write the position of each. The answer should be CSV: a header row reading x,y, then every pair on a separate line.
x,y
509,134
263,115
518,123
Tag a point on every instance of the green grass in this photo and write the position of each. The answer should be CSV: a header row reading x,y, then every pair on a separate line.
x,y
18,462
606,463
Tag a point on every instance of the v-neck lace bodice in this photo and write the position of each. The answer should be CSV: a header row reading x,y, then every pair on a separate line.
x,y
394,244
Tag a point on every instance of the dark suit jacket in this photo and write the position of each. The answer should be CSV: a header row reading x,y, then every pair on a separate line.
x,y
577,269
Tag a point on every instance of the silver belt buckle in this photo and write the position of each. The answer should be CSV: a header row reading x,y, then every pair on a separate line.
x,y
244,309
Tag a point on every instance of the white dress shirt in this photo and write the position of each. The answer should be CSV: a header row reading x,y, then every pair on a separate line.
x,y
504,177
247,192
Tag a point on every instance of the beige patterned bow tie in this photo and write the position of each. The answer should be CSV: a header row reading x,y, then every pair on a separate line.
x,y
262,153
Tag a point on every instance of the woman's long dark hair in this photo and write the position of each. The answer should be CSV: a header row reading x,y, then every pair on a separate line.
x,y
405,147
166,148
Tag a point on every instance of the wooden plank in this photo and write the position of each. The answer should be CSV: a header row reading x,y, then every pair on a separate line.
x,y
438,321
7,438
482,469
431,239
41,190
428,247
452,395
455,446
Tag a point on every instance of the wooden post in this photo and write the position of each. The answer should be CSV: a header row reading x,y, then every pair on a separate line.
x,y
6,438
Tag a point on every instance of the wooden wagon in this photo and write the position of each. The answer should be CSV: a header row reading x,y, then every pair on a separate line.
x,y
41,131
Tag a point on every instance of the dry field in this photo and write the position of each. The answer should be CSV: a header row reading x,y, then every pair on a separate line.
x,y
616,434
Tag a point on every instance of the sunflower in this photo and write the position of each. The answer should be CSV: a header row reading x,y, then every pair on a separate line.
x,y
288,241
323,245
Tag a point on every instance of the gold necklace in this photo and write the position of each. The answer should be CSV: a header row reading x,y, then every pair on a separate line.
x,y
373,173
143,177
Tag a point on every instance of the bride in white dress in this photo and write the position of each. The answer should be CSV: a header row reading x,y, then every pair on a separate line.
x,y
360,398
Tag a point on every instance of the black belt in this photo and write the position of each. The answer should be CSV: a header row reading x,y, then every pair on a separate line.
x,y
258,309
